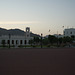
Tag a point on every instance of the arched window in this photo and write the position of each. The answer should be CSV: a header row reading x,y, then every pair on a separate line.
x,y
20,41
27,35
16,41
8,41
12,41
3,42
27,30
25,42
71,33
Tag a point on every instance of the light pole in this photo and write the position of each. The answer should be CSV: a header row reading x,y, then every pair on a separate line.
x,y
57,39
9,40
49,31
25,39
63,35
63,29
41,40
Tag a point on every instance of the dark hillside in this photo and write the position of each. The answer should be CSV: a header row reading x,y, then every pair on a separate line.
x,y
15,32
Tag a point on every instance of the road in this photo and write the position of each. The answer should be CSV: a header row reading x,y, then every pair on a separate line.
x,y
37,61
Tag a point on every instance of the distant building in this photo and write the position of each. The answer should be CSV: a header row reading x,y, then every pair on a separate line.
x,y
17,39
69,32
58,35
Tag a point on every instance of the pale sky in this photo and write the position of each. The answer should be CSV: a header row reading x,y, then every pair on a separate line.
x,y
40,15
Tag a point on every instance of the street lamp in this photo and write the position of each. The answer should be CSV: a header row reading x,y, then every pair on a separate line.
x,y
41,40
57,39
25,39
9,40
63,34
49,31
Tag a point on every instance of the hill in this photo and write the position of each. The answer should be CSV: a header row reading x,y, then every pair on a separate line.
x,y
15,32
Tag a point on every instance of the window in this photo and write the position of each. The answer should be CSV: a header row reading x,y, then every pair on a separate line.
x,y
8,41
70,32
64,32
16,41
25,42
20,41
27,30
12,41
27,35
67,32
3,42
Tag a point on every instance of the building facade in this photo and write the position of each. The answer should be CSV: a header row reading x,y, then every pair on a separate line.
x,y
16,40
69,32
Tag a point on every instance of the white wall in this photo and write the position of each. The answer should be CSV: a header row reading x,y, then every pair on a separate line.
x,y
69,32
18,38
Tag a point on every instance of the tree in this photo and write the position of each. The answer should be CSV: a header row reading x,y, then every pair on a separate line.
x,y
45,41
73,37
60,40
67,39
36,40
31,42
52,39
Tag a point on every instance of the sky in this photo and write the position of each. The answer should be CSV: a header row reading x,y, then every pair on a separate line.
x,y
40,15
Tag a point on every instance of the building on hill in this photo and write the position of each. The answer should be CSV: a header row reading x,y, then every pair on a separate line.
x,y
69,32
17,39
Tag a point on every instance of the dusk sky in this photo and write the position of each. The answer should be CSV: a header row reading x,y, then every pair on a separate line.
x,y
40,15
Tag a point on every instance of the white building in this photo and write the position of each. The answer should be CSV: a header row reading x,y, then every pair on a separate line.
x,y
16,40
69,32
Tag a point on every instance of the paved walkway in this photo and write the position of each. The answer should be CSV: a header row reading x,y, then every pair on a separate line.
x,y
53,61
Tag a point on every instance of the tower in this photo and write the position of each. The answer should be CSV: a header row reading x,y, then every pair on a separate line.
x,y
27,32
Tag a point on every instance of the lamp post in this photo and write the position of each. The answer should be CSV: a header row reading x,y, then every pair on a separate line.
x,y
63,34
41,40
49,31
25,39
57,39
9,40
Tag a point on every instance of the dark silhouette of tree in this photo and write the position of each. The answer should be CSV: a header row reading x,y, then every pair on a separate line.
x,y
45,41
36,40
31,42
52,39
60,40
73,37
67,39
